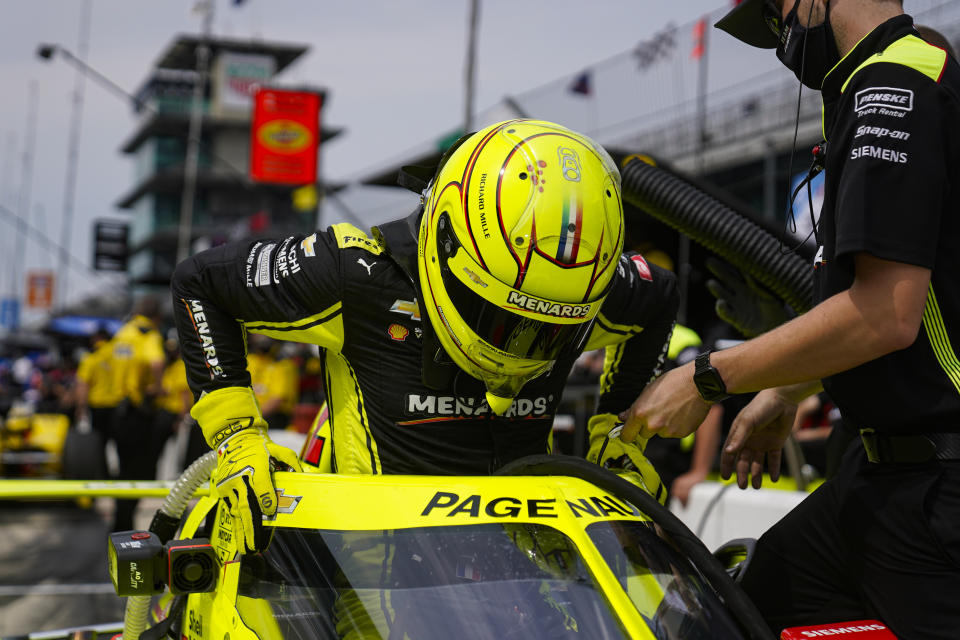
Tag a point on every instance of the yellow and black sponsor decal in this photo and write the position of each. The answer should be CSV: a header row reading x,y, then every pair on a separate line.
x,y
415,501
194,624
349,236
222,538
452,505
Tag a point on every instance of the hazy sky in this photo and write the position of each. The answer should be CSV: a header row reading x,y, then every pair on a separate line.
x,y
394,72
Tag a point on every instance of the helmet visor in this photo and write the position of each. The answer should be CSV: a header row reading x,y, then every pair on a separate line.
x,y
510,332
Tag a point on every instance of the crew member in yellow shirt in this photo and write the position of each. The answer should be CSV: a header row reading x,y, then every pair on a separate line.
x,y
275,380
175,401
137,362
96,394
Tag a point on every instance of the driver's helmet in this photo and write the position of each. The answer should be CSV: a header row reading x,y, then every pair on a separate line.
x,y
520,237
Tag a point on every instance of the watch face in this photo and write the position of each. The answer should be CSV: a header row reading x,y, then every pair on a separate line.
x,y
709,383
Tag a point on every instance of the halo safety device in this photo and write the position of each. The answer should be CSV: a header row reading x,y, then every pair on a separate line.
x,y
520,237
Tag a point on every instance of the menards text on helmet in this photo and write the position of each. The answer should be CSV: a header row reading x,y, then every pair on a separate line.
x,y
546,307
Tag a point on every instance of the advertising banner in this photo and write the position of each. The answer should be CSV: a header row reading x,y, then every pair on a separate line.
x,y
9,313
285,136
236,77
110,245
40,289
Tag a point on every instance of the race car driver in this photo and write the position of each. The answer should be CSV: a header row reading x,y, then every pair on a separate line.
x,y
879,540
447,336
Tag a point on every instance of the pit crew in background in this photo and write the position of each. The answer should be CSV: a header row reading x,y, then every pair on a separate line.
x,y
136,363
173,405
96,394
274,379
880,539
447,336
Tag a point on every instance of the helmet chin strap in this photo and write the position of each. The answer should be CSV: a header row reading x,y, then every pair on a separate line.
x,y
498,404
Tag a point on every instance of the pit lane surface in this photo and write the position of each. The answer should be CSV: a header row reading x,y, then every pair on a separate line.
x,y
53,568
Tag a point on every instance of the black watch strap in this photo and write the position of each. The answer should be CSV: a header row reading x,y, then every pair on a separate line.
x,y
710,385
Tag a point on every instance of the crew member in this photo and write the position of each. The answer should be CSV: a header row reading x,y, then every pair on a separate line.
x,y
173,405
447,336
96,394
879,539
274,379
136,361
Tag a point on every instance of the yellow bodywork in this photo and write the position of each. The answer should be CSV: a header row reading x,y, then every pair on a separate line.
x,y
339,502
42,434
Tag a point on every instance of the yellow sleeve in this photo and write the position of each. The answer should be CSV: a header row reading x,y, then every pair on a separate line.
x,y
258,368
83,369
283,382
152,346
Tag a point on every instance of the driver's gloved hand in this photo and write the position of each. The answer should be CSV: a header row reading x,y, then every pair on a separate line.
x,y
231,423
623,458
742,302
243,476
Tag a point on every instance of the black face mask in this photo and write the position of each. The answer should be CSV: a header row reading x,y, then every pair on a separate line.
x,y
810,52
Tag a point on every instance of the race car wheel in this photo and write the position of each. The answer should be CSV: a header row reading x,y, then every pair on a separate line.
x,y
83,456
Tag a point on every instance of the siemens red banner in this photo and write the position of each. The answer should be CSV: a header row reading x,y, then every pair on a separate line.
x,y
285,136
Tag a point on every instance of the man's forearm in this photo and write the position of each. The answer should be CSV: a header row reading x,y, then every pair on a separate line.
x,y
801,390
82,391
878,315
830,338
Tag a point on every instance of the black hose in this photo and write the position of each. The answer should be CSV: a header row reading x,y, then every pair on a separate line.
x,y
733,596
720,228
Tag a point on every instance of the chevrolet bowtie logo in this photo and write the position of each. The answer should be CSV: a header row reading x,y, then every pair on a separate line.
x,y
285,503
411,309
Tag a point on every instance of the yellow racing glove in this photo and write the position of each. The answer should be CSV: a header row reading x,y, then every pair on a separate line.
x,y
624,458
231,423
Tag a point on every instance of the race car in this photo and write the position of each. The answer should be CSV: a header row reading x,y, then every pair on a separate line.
x,y
553,548
42,445
427,557
32,444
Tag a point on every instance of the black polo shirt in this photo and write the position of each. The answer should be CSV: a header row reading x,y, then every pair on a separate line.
x,y
891,118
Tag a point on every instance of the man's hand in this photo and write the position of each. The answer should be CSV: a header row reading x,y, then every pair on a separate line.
x,y
758,432
742,302
243,477
669,407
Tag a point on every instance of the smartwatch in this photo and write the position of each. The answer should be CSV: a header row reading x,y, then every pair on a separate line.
x,y
710,385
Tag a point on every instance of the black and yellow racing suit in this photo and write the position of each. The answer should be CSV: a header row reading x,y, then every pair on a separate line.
x,y
356,296
880,539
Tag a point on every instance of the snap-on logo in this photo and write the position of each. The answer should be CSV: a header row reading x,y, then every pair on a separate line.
x,y
888,97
